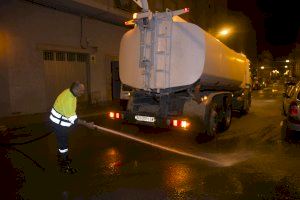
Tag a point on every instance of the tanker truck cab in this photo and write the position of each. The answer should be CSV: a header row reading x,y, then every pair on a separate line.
x,y
182,77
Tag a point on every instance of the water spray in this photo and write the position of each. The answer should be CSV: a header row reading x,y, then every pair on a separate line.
x,y
220,163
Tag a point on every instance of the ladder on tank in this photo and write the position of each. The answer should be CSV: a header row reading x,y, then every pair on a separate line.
x,y
145,53
162,50
155,51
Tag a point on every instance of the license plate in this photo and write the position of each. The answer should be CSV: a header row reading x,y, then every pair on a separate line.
x,y
144,118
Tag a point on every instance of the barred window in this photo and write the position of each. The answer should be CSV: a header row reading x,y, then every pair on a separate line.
x,y
48,55
65,56
71,56
81,57
60,56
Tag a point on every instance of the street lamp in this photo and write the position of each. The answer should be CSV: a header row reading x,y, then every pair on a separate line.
x,y
286,66
262,67
224,32
287,61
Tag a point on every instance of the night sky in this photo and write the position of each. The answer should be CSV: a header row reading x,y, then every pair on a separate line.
x,y
276,23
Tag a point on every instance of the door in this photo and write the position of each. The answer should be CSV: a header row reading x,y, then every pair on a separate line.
x,y
61,69
116,82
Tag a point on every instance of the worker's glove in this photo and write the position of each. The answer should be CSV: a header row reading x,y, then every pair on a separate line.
x,y
90,125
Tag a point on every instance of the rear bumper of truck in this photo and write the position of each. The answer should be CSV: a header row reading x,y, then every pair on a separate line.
x,y
146,119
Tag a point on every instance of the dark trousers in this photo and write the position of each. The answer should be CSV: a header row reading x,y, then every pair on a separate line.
x,y
62,137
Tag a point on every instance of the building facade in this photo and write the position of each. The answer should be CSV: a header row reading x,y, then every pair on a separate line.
x,y
45,48
45,45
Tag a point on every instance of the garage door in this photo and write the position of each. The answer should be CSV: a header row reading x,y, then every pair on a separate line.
x,y
61,69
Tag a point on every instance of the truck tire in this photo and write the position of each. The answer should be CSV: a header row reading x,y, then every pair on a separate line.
x,y
246,106
212,126
226,121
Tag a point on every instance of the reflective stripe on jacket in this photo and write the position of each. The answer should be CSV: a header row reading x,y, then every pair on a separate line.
x,y
64,109
60,119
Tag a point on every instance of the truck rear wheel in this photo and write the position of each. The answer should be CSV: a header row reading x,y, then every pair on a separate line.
x,y
212,127
226,121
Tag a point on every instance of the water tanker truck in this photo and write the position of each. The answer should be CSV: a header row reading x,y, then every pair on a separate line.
x,y
182,76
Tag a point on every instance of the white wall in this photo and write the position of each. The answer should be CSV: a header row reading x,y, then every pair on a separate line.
x,y
24,27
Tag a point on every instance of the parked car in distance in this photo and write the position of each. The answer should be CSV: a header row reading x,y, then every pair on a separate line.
x,y
291,108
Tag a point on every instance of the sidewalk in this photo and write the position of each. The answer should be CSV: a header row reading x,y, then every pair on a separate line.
x,y
82,112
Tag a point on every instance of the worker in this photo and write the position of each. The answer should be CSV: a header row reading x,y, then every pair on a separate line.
x,y
63,117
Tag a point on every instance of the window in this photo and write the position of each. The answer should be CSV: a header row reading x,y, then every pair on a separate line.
x,y
60,56
65,56
71,57
81,57
48,55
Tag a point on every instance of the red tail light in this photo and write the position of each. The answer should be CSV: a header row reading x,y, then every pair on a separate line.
x,y
180,123
115,115
186,10
293,109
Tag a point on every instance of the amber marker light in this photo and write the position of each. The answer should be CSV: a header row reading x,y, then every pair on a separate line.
x,y
111,114
134,16
175,123
185,124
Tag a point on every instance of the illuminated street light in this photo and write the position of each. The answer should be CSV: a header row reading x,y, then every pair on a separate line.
x,y
286,66
224,32
287,61
262,67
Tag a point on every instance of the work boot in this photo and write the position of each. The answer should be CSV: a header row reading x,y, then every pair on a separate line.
x,y
70,170
64,164
66,168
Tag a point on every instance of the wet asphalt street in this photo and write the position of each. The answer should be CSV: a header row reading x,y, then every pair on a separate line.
x,y
248,161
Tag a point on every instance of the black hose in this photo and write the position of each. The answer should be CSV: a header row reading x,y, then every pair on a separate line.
x,y
11,145
27,156
26,142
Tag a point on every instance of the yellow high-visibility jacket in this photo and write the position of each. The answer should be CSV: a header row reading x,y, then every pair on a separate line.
x,y
64,109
